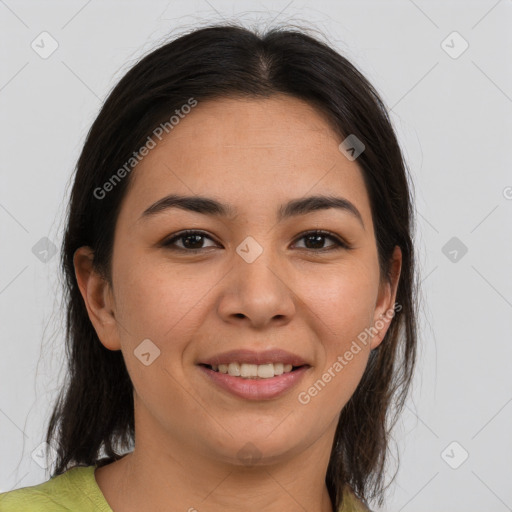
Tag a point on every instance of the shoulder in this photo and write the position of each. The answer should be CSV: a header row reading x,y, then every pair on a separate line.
x,y
76,490
351,503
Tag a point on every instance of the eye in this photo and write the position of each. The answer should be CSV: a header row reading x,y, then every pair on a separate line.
x,y
314,238
191,241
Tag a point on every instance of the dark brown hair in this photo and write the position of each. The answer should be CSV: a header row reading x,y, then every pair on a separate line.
x,y
94,414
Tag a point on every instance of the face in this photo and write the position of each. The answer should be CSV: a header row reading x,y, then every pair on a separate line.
x,y
250,279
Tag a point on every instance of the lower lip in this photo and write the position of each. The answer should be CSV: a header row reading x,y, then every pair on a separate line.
x,y
256,389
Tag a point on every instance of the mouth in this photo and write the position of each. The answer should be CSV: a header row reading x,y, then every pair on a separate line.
x,y
251,386
253,371
255,375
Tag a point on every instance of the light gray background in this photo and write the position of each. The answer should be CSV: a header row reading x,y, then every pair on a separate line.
x,y
453,118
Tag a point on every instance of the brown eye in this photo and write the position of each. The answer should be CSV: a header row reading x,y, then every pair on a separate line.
x,y
314,240
191,241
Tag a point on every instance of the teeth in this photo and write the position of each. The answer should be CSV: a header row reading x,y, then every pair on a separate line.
x,y
279,368
233,369
252,371
248,370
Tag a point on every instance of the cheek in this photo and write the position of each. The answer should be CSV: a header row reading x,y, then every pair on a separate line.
x,y
342,301
155,300
342,305
165,304
335,380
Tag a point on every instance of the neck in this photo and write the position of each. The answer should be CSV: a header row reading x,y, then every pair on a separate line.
x,y
150,479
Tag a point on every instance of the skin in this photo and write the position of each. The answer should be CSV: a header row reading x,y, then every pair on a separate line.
x,y
255,155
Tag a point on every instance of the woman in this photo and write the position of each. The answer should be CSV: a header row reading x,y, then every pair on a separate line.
x,y
240,277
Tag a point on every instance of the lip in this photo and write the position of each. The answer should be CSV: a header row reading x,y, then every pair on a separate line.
x,y
256,389
252,357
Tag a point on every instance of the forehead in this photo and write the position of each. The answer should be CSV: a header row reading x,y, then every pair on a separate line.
x,y
248,152
277,116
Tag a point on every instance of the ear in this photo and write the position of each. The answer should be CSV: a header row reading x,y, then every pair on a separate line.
x,y
98,298
384,308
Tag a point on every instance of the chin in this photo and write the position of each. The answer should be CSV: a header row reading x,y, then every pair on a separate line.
x,y
249,450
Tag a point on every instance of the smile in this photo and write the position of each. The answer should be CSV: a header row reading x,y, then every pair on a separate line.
x,y
251,386
253,371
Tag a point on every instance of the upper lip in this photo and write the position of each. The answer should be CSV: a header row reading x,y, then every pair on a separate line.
x,y
252,357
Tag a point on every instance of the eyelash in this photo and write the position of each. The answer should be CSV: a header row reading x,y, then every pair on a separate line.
x,y
339,243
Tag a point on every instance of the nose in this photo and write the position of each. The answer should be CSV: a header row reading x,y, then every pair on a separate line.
x,y
257,293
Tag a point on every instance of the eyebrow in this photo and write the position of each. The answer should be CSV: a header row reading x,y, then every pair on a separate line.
x,y
209,206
